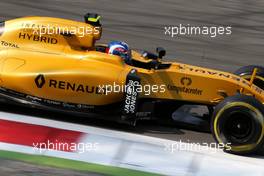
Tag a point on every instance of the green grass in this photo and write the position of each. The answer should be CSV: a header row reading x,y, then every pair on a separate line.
x,y
72,164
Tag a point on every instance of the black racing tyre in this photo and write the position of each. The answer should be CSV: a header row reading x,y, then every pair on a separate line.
x,y
246,72
238,124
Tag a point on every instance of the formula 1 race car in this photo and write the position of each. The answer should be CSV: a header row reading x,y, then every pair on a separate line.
x,y
51,63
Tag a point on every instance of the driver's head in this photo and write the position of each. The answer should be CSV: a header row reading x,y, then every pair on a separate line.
x,y
120,49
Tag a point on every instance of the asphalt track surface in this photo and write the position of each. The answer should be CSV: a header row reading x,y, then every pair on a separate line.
x,y
141,24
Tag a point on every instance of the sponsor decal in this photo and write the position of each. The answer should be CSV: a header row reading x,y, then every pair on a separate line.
x,y
37,38
68,86
185,82
130,101
131,97
8,44
57,84
209,72
40,81
38,100
31,26
83,106
52,102
68,105
33,98
223,75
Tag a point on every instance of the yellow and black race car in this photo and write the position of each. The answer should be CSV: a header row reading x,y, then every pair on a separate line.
x,y
55,64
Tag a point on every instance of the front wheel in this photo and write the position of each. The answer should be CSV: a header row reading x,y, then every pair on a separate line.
x,y
238,124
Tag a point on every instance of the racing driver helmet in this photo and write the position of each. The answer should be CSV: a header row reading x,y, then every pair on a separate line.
x,y
120,49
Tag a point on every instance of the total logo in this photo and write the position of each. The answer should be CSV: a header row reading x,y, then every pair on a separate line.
x,y
8,44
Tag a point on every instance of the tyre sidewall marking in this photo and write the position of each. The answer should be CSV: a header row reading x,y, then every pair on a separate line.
x,y
259,118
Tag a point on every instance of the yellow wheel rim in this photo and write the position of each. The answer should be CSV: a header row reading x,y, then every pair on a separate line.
x,y
245,147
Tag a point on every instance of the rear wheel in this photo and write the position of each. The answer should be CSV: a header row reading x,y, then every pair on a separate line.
x,y
238,124
246,72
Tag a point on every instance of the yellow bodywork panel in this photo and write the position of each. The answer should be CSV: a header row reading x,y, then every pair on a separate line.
x,y
63,67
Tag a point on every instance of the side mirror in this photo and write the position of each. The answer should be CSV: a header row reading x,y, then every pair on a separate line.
x,y
161,52
149,55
